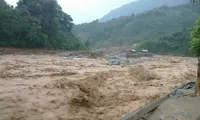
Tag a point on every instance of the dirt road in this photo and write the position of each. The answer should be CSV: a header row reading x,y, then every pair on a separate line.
x,y
47,87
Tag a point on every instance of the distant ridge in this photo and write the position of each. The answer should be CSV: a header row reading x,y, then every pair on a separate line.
x,y
149,25
140,6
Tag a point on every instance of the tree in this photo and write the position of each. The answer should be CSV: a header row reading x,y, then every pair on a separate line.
x,y
3,4
37,24
195,47
87,44
195,42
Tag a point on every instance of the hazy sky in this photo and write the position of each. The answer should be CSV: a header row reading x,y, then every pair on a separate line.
x,y
86,10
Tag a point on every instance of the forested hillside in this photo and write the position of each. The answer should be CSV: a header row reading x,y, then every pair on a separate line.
x,y
36,24
140,6
149,25
177,43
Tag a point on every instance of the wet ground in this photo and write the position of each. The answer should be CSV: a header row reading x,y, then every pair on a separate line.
x,y
182,108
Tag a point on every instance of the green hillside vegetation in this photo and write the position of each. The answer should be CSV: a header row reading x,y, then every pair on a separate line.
x,y
132,29
177,43
36,24
195,39
140,6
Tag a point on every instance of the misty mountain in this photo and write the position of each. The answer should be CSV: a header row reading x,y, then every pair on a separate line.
x,y
133,29
140,6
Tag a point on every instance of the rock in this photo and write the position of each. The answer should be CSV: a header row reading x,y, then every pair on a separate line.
x,y
180,92
173,92
172,96
185,90
114,61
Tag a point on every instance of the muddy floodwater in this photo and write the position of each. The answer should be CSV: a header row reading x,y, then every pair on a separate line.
x,y
52,87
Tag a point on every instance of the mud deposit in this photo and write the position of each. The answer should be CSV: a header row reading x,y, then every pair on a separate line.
x,y
45,87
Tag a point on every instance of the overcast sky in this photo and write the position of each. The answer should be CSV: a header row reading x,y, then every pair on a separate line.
x,y
86,10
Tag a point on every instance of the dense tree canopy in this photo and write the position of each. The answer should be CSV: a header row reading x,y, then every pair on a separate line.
x,y
132,29
36,24
195,36
177,43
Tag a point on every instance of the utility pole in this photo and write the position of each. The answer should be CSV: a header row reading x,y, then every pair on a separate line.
x,y
198,79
